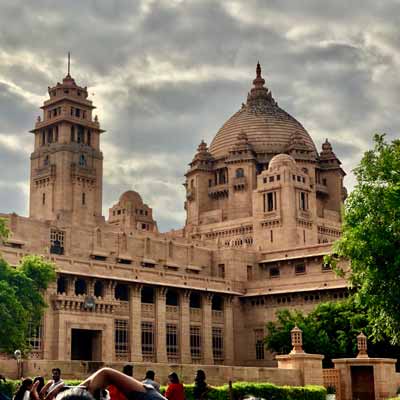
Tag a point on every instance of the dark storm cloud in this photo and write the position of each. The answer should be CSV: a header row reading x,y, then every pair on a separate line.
x,y
167,74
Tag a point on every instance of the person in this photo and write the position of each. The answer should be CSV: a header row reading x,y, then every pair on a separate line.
x,y
40,385
175,389
24,390
89,389
114,392
200,385
149,380
52,385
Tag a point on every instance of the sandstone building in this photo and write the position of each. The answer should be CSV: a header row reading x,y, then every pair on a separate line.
x,y
263,206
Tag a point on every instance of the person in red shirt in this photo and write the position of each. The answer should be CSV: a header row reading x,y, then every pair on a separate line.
x,y
175,389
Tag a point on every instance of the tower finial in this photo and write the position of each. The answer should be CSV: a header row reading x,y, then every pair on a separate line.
x,y
258,69
69,63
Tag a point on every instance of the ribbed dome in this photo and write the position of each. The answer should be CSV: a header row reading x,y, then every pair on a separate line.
x,y
130,196
269,129
280,160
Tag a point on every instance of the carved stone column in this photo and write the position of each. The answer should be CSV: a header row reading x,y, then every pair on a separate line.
x,y
228,330
207,329
135,313
161,348
186,357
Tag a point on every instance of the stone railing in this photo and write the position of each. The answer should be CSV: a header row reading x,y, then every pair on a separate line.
x,y
79,303
122,308
218,316
195,314
148,310
172,312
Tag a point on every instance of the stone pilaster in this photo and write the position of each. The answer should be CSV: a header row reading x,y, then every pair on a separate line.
x,y
47,324
186,357
135,327
207,329
161,348
228,331
90,287
71,285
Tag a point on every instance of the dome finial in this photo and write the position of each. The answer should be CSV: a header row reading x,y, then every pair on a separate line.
x,y
259,81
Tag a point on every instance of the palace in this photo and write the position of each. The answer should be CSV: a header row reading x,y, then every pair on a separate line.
x,y
262,209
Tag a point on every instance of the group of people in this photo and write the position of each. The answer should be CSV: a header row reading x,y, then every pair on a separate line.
x,y
110,384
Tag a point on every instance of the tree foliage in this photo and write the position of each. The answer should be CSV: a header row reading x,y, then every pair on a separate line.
x,y
330,329
21,297
371,237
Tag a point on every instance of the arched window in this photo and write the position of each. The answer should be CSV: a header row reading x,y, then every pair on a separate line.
x,y
195,300
217,302
80,287
172,298
147,295
61,285
98,289
122,292
82,160
239,173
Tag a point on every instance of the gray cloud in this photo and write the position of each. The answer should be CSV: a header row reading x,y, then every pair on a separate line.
x,y
167,74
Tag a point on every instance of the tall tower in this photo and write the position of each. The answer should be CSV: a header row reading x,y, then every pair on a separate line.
x,y
67,164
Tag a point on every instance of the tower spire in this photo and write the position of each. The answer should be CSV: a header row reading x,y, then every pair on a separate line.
x,y
69,63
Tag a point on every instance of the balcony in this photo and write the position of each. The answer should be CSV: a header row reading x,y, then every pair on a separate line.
x,y
147,310
172,312
190,194
195,314
322,189
218,191
239,183
217,316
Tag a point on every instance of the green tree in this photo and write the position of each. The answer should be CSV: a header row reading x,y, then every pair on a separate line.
x,y
330,329
371,238
21,297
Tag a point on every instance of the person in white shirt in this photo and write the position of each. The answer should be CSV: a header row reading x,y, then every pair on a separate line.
x,y
149,380
52,386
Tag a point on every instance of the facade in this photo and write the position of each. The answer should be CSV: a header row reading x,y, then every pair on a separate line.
x,y
263,206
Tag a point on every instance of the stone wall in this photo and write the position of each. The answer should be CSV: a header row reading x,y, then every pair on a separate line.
x,y
216,375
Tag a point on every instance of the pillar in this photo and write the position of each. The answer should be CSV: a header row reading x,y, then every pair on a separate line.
x,y
135,326
186,357
208,357
228,331
161,348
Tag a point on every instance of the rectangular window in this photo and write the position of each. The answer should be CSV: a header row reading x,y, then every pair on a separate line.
x,y
43,198
195,342
121,341
303,201
269,201
83,199
278,177
300,268
221,270
57,241
77,112
274,272
259,343
172,341
148,348
271,178
35,334
249,272
218,344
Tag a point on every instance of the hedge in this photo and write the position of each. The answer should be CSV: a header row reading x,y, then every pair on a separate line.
x,y
267,391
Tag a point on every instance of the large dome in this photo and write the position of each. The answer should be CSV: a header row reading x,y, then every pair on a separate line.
x,y
269,129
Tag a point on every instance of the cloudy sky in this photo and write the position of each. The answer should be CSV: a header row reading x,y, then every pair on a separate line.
x,y
166,74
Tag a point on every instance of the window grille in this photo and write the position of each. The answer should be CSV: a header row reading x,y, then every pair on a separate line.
x,y
35,334
148,340
300,268
259,343
121,338
218,344
172,340
57,241
195,342
269,201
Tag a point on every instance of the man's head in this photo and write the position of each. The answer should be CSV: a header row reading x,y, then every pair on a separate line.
x,y
56,374
77,393
150,375
128,370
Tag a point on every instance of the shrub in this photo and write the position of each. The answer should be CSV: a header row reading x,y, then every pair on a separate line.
x,y
266,391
